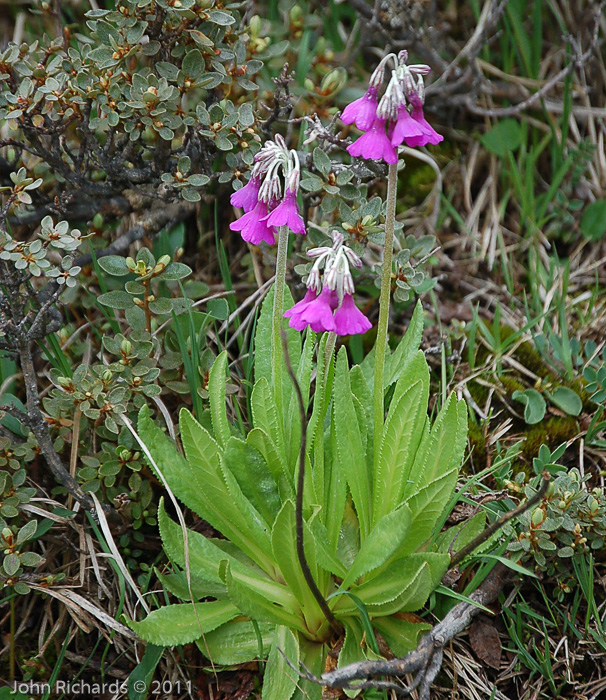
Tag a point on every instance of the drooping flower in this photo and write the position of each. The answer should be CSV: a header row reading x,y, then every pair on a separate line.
x,y
317,314
374,144
287,214
253,226
261,198
295,312
429,135
372,115
333,309
348,319
363,111
246,197
405,128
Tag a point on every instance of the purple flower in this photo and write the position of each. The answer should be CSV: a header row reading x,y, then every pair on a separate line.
x,y
287,214
405,127
297,310
429,135
374,144
363,111
246,197
254,227
348,319
317,314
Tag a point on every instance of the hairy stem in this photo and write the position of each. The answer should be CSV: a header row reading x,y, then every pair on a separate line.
x,y
299,525
384,301
276,346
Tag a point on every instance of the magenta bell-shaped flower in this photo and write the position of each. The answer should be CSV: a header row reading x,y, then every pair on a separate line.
x,y
253,226
287,214
429,135
405,128
363,111
246,197
317,313
348,319
374,144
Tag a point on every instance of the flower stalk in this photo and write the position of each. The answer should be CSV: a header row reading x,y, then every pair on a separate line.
x,y
384,303
278,311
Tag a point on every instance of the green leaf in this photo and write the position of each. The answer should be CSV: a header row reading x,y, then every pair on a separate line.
x,y
263,341
116,300
292,427
141,676
593,221
283,540
216,394
258,604
174,271
405,584
193,65
236,642
534,405
402,435
265,417
401,636
396,363
321,161
504,137
274,459
384,540
254,478
426,506
183,623
279,681
458,536
566,399
350,451
442,449
222,504
114,265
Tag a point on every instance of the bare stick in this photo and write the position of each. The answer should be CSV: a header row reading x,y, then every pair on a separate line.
x,y
309,579
498,524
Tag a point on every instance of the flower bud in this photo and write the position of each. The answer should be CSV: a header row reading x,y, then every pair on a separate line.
x,y
107,375
538,517
126,346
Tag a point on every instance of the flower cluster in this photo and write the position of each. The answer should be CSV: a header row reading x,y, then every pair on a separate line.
x,y
328,304
265,208
387,122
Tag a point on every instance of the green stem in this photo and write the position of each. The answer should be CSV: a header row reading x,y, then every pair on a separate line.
x,y
384,301
277,362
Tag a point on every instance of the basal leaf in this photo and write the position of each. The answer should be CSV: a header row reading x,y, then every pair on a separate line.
x,y
401,436
262,442
283,540
265,417
279,681
257,603
426,506
444,447
254,478
396,363
401,635
236,642
183,623
384,540
350,450
216,394
223,505
455,538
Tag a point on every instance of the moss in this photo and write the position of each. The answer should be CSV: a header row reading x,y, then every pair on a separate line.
x,y
511,384
477,446
551,432
527,355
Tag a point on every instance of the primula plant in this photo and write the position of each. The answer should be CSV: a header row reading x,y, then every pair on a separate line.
x,y
330,504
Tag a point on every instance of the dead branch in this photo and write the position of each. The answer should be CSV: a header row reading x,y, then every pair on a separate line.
x,y
426,660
